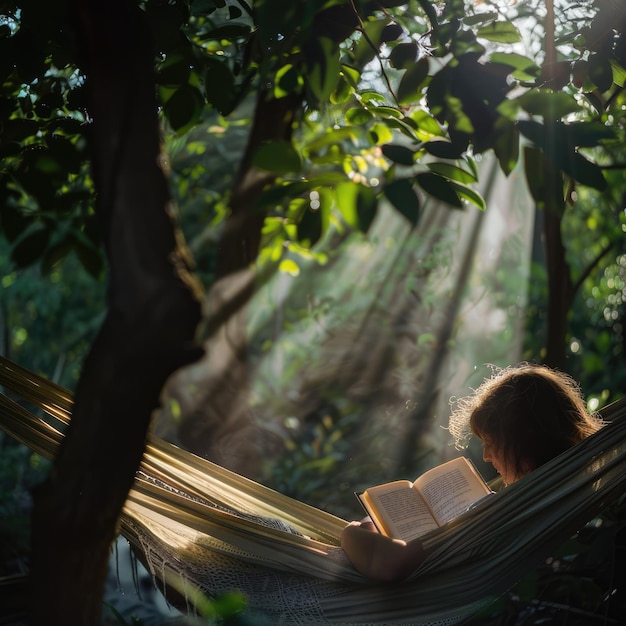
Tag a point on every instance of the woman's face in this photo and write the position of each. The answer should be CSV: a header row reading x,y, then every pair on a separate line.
x,y
503,465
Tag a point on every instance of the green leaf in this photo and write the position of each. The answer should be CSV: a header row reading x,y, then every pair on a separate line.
x,y
426,123
452,172
403,197
288,266
586,134
440,188
358,116
219,86
335,136
551,105
544,180
324,74
369,43
411,81
500,32
343,91
346,201
534,131
366,208
584,171
404,55
506,144
480,18
399,154
524,68
183,108
310,226
380,133
445,149
600,71
288,80
388,112
279,157
173,71
470,195
619,72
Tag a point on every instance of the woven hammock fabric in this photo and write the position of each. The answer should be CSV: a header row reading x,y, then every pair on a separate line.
x,y
199,527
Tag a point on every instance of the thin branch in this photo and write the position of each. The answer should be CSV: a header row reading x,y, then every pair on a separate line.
x,y
581,279
371,43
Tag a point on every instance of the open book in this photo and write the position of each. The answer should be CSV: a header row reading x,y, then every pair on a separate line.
x,y
405,510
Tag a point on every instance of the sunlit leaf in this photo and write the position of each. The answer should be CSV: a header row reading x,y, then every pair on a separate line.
x,y
346,196
380,133
334,136
471,195
452,172
288,80
387,111
288,266
358,116
524,68
619,72
500,32
426,123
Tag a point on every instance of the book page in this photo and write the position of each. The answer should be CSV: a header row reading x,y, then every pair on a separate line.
x,y
398,510
450,489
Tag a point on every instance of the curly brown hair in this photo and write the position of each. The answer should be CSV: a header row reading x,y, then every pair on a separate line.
x,y
531,413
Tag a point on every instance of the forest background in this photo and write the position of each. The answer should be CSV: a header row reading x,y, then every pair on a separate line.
x,y
329,166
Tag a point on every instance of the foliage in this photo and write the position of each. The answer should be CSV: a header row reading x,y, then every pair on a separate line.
x,y
389,102
397,83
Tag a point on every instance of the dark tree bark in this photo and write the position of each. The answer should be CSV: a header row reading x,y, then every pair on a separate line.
x,y
560,290
153,311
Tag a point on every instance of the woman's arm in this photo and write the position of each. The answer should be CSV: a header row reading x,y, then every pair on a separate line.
x,y
379,557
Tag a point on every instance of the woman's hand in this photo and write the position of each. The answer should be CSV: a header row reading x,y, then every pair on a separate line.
x,y
379,557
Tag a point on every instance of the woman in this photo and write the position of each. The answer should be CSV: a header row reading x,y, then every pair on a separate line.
x,y
524,415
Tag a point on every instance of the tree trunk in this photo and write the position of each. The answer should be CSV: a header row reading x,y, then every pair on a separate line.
x,y
153,311
560,290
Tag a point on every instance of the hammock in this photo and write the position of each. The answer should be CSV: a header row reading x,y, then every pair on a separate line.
x,y
199,527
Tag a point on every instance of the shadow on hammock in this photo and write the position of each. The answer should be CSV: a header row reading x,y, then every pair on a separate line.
x,y
199,528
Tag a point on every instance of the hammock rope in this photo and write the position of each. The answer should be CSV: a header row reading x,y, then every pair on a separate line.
x,y
199,527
